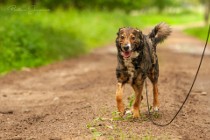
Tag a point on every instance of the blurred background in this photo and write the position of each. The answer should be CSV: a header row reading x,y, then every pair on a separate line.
x,y
39,32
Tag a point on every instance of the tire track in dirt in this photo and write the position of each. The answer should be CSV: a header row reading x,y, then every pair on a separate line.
x,y
58,101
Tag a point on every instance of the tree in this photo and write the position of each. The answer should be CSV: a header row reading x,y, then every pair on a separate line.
x,y
207,10
33,2
162,4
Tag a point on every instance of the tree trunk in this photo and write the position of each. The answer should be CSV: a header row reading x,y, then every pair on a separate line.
x,y
33,2
206,13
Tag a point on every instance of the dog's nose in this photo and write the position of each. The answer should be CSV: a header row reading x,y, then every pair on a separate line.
x,y
126,47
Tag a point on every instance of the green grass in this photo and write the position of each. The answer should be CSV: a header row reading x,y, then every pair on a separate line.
x,y
199,32
111,129
31,39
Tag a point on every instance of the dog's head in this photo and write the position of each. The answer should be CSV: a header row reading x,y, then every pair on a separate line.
x,y
128,40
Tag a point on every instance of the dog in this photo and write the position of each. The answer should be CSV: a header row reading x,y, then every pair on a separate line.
x,y
137,60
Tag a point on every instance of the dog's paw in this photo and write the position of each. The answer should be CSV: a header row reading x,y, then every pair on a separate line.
x,y
156,109
136,113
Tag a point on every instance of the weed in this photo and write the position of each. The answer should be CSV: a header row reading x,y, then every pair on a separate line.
x,y
116,116
131,100
95,133
156,115
92,127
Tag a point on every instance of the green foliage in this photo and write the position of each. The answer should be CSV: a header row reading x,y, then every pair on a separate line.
x,y
125,5
19,44
162,4
31,39
199,32
52,4
24,42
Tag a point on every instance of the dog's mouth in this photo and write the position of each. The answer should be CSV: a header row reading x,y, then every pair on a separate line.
x,y
126,54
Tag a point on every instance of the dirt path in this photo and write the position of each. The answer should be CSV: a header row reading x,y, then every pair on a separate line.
x,y
75,99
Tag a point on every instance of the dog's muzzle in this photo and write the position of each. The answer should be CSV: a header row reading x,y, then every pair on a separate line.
x,y
126,51
126,48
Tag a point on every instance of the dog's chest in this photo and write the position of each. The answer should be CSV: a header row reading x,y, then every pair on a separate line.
x,y
130,67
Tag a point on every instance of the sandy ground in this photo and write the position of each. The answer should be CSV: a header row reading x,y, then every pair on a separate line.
x,y
75,99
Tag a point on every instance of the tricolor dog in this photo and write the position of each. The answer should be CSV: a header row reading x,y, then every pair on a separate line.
x,y
137,60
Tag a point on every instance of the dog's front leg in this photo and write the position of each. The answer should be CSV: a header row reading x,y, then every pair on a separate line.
x,y
155,97
119,92
138,97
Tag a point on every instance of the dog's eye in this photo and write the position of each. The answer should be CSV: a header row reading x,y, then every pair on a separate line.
x,y
133,38
122,37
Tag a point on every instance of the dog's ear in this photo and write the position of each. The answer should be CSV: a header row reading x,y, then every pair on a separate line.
x,y
117,39
140,35
119,31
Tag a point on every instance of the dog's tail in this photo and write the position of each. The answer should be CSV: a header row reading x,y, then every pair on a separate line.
x,y
160,33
